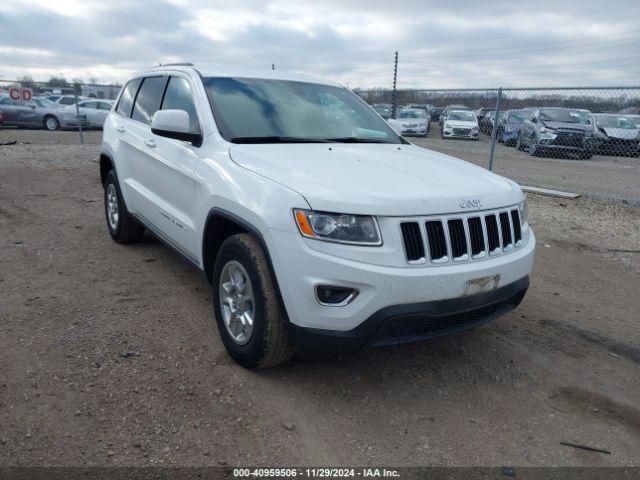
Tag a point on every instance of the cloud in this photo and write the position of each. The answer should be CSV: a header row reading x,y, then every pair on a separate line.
x,y
458,43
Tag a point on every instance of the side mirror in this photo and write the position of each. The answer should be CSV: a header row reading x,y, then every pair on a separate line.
x,y
174,124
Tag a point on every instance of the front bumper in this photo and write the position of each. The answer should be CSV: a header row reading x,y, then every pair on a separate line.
x,y
404,323
453,134
300,266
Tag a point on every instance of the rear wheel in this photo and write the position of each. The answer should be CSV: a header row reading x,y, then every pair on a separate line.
x,y
251,320
123,228
51,123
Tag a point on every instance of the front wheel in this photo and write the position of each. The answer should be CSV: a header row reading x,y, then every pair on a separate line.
x,y
51,123
251,320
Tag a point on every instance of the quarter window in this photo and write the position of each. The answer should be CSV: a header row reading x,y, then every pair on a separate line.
x,y
179,96
126,99
148,99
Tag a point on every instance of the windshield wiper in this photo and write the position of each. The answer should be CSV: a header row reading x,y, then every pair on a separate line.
x,y
355,140
276,139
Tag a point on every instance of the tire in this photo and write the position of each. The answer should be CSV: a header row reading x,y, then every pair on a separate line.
x,y
519,145
265,342
586,156
533,151
122,227
51,123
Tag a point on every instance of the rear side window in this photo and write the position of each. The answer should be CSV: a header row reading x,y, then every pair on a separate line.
x,y
126,99
104,106
87,104
148,99
67,101
179,96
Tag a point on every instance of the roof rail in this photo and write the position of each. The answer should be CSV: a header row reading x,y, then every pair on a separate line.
x,y
179,64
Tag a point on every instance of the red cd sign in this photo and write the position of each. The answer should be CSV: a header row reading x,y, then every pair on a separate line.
x,y
18,94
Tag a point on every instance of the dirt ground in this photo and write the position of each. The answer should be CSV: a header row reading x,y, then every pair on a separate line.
x,y
109,354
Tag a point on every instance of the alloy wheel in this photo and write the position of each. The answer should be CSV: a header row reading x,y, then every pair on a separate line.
x,y
237,302
113,212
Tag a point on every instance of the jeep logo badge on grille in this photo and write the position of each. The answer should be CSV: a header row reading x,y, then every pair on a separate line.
x,y
470,203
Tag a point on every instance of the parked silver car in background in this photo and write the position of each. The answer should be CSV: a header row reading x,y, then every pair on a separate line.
x,y
460,124
40,112
66,100
95,110
411,121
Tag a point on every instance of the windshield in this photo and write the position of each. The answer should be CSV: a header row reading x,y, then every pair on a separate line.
x,y
613,121
412,114
565,116
463,116
253,110
43,102
517,117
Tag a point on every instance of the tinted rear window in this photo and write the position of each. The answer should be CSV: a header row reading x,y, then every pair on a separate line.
x,y
126,99
148,99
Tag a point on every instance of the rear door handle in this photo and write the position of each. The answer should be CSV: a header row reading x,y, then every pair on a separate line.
x,y
150,143
120,129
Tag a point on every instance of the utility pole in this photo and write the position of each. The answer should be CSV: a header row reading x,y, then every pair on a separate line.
x,y
393,92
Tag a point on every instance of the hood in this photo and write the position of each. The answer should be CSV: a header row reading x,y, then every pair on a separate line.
x,y
461,123
622,133
567,125
377,179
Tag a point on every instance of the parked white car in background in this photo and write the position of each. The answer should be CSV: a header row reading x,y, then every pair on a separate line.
x,y
317,225
411,121
460,124
95,110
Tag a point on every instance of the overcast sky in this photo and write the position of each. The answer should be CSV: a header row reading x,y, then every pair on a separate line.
x,y
454,43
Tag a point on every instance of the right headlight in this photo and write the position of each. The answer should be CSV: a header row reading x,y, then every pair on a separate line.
x,y
524,210
338,227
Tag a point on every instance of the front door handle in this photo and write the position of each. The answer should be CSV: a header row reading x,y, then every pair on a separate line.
x,y
150,143
120,129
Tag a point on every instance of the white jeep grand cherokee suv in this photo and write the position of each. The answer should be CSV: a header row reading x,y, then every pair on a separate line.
x,y
318,226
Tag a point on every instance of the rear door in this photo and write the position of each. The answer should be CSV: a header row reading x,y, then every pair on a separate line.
x,y
124,144
140,153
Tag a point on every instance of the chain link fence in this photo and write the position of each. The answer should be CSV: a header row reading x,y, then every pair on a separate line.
x,y
55,105
577,139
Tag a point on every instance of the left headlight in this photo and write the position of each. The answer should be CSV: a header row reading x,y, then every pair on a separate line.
x,y
338,227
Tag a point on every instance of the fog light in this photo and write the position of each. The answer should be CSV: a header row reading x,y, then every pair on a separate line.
x,y
334,295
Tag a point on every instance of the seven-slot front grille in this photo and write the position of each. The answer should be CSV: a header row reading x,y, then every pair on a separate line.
x,y
461,238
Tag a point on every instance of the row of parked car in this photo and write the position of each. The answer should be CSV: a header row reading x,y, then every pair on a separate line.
x,y
541,130
55,112
556,130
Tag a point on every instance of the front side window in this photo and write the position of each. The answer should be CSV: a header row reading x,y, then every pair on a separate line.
x,y
263,110
104,106
125,103
179,97
148,99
